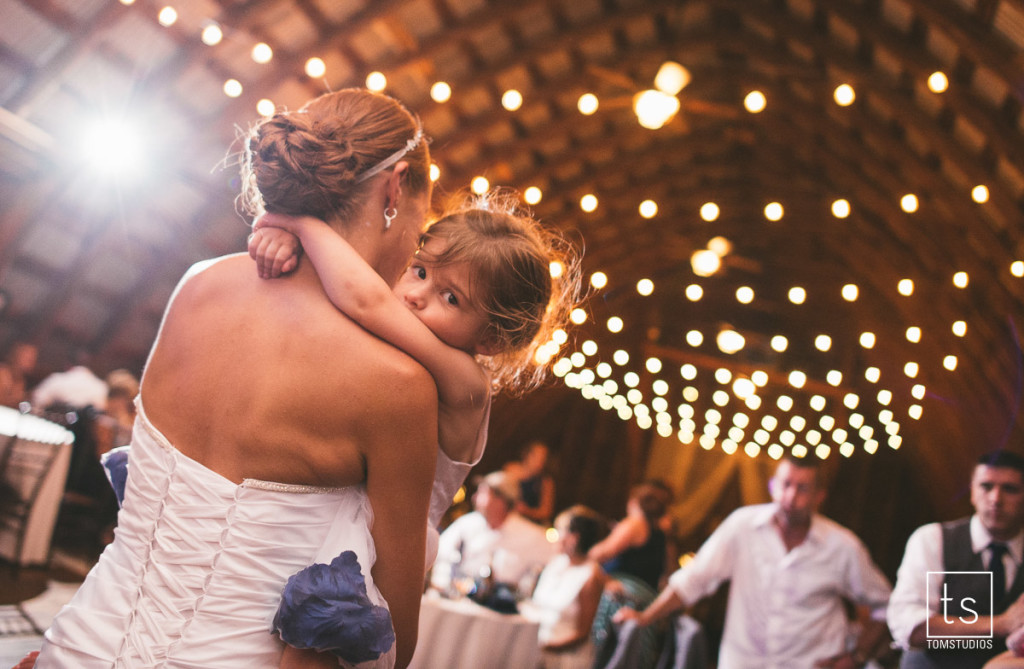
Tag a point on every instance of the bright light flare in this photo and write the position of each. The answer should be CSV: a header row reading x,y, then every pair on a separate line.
x,y
113,147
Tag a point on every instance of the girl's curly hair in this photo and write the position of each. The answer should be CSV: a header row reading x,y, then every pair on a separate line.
x,y
525,277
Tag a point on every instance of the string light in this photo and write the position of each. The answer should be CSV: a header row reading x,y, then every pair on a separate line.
x,y
266,107
315,68
440,92
376,81
648,208
587,104
755,102
232,88
512,99
631,405
938,82
709,211
262,53
844,95
212,34
167,17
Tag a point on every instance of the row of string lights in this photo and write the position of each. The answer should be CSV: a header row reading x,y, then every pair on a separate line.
x,y
595,377
615,383
654,108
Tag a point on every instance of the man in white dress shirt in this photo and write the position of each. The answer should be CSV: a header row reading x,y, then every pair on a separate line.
x,y
492,537
959,604
791,573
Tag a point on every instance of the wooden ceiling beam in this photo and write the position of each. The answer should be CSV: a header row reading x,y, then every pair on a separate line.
x,y
978,43
82,38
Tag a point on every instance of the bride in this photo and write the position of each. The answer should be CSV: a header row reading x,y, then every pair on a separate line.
x,y
282,458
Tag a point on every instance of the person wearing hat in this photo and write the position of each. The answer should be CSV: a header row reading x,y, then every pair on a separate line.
x,y
493,540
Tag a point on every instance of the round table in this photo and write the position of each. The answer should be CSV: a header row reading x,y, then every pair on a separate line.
x,y
461,634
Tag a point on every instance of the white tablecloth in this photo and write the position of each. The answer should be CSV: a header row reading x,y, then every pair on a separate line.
x,y
464,635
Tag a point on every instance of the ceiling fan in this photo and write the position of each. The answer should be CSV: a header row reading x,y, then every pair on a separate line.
x,y
656,107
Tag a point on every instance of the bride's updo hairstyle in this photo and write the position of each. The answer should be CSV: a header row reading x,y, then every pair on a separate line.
x,y
320,160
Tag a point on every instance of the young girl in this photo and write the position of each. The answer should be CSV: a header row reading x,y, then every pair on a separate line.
x,y
472,307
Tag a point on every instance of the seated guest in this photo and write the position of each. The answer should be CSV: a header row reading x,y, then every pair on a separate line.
x,y
14,373
114,425
76,388
991,540
637,544
493,540
536,487
567,594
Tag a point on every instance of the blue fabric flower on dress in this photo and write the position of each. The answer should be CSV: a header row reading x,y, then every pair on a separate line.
x,y
325,607
115,465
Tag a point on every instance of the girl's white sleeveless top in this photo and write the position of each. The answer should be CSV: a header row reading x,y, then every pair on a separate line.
x,y
449,475
195,574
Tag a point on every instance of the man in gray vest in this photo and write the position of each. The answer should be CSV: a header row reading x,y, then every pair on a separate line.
x,y
958,590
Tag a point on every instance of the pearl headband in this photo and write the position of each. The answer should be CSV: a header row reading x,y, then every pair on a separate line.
x,y
393,158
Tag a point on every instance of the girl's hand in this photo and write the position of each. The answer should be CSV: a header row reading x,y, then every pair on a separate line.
x,y
275,251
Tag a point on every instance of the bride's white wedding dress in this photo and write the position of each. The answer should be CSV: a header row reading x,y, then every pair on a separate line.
x,y
199,565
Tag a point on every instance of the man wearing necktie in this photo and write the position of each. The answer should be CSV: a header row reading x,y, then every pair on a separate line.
x,y
974,593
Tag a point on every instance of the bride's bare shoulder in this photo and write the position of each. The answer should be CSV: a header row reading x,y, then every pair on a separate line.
x,y
233,262
216,273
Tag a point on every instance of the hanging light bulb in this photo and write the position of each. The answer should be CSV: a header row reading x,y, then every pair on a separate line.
x,y
671,78
705,262
654,108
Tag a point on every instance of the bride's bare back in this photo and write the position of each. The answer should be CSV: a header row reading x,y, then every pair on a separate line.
x,y
267,380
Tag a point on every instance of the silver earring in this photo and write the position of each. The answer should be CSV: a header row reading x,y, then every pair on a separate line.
x,y
389,215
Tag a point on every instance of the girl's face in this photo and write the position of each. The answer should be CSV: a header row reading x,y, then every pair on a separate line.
x,y
439,296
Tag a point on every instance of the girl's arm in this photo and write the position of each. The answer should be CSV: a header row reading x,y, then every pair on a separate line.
x,y
359,292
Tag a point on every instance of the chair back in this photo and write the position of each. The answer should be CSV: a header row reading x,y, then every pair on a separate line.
x,y
25,465
686,646
625,646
